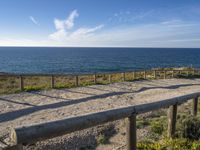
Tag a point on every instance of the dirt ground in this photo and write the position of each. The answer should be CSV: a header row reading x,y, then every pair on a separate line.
x,y
36,107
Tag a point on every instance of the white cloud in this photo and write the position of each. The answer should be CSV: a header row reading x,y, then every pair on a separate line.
x,y
170,33
33,20
68,23
85,31
63,34
70,20
59,24
59,35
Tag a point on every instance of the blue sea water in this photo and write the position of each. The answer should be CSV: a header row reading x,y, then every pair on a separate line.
x,y
91,60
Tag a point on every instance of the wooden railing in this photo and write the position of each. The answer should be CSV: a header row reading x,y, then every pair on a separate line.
x,y
37,132
166,73
42,131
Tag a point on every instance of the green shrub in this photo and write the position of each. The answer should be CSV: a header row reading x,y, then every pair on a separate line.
x,y
170,144
33,88
190,128
158,125
102,139
142,123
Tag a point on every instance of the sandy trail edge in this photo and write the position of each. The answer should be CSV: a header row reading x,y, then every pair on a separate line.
x,y
36,107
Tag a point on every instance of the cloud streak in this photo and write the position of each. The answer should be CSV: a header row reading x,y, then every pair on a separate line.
x,y
34,20
168,34
63,27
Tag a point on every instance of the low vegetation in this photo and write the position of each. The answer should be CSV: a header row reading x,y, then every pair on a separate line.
x,y
187,133
11,84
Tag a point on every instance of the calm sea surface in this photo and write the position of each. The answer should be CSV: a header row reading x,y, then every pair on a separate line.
x,y
90,60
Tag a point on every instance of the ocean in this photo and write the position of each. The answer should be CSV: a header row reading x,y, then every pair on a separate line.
x,y
93,60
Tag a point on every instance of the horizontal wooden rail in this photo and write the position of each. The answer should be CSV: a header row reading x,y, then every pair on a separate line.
x,y
42,131
162,73
97,73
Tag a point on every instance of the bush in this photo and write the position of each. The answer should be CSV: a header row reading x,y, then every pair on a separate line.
x,y
158,125
142,123
190,128
102,139
169,144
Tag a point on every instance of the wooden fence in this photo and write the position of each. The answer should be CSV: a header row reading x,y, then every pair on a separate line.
x,y
38,132
162,73
42,131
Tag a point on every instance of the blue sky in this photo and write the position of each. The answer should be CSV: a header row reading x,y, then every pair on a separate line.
x,y
123,23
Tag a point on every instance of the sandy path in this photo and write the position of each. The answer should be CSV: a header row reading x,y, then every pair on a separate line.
x,y
35,107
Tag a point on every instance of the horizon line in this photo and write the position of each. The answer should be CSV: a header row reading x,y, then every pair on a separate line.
x,y
95,47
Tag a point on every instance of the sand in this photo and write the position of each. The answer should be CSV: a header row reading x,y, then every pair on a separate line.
x,y
36,107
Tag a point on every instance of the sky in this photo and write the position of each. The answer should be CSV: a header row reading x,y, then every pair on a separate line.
x,y
100,23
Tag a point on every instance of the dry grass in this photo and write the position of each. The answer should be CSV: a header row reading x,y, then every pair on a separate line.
x,y
12,84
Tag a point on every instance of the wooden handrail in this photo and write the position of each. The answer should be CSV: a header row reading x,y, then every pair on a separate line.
x,y
76,76
97,73
42,131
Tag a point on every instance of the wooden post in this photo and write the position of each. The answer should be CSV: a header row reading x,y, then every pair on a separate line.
x,y
187,73
95,79
123,76
52,82
133,75
165,73
172,112
131,135
76,81
172,73
145,74
21,83
110,78
195,106
193,72
154,74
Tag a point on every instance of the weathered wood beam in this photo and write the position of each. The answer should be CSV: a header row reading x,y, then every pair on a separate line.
x,y
37,132
195,106
131,133
172,112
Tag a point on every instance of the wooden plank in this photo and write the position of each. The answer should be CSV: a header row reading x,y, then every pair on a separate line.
x,y
37,132
131,133
172,112
195,106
